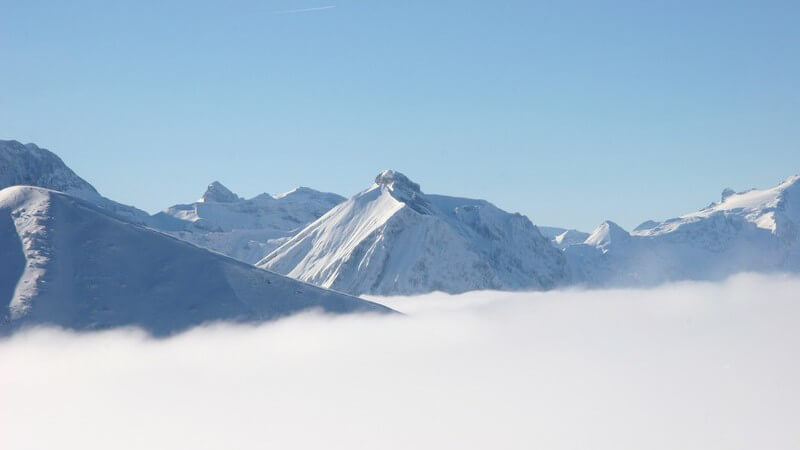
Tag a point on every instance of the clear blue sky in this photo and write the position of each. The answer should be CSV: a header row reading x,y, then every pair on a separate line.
x,y
569,112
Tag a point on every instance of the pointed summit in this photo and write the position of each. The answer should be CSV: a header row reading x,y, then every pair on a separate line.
x,y
396,180
217,193
607,233
393,239
727,192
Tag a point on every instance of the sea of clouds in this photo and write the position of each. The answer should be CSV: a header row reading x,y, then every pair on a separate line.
x,y
682,366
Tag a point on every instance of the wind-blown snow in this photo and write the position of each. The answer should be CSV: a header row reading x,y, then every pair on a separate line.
x,y
691,366
392,239
67,262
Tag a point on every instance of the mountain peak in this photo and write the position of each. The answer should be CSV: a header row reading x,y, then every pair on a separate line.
x,y
606,233
217,193
31,165
727,192
394,179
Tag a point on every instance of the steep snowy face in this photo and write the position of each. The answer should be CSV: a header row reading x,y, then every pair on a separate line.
x,y
244,229
569,237
755,230
394,239
218,193
65,262
29,165
606,234
33,166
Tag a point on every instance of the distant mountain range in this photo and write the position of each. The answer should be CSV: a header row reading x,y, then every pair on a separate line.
x,y
751,231
393,238
247,230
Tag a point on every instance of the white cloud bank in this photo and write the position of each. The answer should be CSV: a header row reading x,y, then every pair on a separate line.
x,y
685,366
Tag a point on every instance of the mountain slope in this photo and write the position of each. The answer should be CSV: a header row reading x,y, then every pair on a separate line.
x,y
67,262
394,239
756,230
31,165
243,229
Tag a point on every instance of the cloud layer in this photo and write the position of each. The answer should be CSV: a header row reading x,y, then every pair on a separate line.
x,y
690,366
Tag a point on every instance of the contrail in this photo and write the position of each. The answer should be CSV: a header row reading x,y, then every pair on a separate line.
x,y
302,10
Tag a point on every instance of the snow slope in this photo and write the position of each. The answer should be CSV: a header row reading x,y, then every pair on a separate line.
x,y
394,239
247,230
31,165
66,262
756,230
563,237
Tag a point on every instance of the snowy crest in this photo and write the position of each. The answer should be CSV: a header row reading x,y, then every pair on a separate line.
x,y
218,193
607,233
396,180
404,190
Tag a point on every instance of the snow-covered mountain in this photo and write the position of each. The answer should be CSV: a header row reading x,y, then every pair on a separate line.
x,y
66,262
563,237
394,239
755,230
247,230
28,164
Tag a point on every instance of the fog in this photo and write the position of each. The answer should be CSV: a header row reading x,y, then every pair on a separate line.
x,y
689,366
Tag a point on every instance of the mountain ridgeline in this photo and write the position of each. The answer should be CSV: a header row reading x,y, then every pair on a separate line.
x,y
392,238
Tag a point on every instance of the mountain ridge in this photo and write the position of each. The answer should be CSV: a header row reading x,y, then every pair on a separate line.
x,y
69,263
394,239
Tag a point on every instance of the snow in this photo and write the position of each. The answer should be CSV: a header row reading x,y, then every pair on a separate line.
x,y
216,192
73,265
394,239
244,229
607,233
569,237
33,166
755,230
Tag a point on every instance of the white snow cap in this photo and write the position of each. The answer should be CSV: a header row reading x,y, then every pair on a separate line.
x,y
392,179
216,192
605,233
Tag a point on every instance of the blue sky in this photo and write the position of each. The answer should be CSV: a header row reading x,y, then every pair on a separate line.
x,y
569,112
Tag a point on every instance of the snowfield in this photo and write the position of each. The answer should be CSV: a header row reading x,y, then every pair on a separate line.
x,y
692,366
69,263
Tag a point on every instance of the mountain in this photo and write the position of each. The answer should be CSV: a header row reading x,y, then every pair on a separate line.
x,y
31,165
394,239
562,238
67,262
754,230
569,237
247,230
550,232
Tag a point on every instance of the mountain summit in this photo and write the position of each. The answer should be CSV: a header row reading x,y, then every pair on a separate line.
x,y
216,192
31,165
394,239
